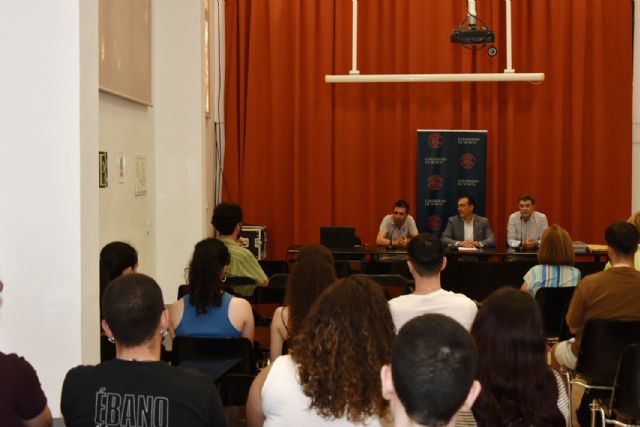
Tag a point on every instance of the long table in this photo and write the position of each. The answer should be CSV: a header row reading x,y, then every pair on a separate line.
x,y
475,274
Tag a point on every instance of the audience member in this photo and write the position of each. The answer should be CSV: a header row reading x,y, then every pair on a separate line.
x,y
332,374
555,263
609,294
22,401
315,252
468,230
207,310
518,387
432,372
306,282
635,220
116,258
227,220
426,262
397,228
525,227
137,388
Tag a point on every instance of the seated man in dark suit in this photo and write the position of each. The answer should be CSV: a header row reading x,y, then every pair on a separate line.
x,y
136,388
467,230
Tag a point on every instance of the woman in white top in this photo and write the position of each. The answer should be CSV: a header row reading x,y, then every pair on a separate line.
x,y
332,374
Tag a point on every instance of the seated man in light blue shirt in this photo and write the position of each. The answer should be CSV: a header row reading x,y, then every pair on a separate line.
x,y
525,226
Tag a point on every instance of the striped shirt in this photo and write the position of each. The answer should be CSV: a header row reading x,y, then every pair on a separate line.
x,y
551,276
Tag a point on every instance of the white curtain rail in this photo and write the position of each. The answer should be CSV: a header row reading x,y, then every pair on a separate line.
x,y
509,74
434,78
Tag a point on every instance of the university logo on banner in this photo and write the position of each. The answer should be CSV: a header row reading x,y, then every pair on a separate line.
x,y
450,163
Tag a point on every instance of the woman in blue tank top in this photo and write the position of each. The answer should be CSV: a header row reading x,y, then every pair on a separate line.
x,y
207,311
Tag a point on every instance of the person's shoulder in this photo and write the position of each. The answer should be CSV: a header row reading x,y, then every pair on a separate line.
x,y
514,216
399,300
15,364
540,214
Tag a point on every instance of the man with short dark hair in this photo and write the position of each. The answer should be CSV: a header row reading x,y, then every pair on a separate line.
x,y
426,261
432,373
525,227
609,294
468,230
136,388
227,220
397,228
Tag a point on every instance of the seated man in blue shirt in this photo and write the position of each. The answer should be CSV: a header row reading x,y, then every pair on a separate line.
x,y
525,226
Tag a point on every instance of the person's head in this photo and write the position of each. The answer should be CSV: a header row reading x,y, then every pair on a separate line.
x,y
315,252
116,258
341,347
526,206
306,282
433,370
466,205
227,218
556,247
426,255
517,384
622,238
635,220
133,310
400,212
207,273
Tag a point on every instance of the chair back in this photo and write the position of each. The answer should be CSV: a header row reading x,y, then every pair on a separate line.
x,y
625,400
554,303
394,284
239,281
268,295
279,280
202,351
603,341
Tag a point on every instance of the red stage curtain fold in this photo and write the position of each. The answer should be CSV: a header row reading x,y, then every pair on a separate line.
x,y
302,153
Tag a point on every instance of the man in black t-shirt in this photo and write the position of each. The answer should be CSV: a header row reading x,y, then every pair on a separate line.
x,y
136,388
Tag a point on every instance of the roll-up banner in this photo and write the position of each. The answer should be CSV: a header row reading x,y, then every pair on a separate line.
x,y
451,163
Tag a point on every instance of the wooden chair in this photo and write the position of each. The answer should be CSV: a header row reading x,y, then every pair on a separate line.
x,y
624,406
554,303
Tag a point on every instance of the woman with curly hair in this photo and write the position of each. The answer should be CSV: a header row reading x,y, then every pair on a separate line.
x,y
307,280
207,311
555,262
518,387
331,376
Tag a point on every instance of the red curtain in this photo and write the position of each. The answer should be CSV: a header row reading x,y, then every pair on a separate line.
x,y
302,153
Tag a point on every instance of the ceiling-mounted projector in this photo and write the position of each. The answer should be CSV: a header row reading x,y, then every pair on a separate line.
x,y
472,35
469,33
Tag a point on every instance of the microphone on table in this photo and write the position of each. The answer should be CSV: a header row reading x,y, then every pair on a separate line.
x,y
390,241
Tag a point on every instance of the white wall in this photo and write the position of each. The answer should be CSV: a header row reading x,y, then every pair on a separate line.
x,y
47,216
635,199
127,127
181,211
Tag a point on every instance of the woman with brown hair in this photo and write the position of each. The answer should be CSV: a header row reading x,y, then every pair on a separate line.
x,y
307,281
555,262
331,376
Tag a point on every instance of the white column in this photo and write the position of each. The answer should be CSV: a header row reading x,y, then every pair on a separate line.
x,y
48,186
